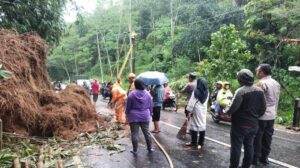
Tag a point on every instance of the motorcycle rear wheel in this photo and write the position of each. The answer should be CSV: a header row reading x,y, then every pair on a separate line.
x,y
215,119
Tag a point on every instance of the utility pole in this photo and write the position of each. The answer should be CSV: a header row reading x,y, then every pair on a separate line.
x,y
99,55
172,21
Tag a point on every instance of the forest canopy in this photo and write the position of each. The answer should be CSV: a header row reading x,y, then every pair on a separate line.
x,y
214,38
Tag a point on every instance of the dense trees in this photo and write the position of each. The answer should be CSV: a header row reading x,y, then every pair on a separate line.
x,y
215,38
44,17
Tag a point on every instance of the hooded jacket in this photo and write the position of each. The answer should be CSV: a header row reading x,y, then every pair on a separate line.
x,y
139,106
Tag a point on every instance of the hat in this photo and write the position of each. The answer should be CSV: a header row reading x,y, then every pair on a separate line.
x,y
131,75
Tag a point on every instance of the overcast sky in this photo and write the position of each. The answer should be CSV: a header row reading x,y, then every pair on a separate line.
x,y
85,5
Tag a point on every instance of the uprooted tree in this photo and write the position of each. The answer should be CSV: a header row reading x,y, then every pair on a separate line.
x,y
28,105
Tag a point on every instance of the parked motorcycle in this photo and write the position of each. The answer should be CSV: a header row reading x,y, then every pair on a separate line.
x,y
105,92
171,103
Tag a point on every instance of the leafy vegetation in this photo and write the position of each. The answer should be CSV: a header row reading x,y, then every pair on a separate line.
x,y
44,17
214,38
3,73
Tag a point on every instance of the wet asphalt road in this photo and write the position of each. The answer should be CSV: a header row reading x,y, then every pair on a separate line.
x,y
215,153
285,146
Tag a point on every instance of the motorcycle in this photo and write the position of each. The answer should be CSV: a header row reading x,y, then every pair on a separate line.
x,y
221,116
171,103
105,92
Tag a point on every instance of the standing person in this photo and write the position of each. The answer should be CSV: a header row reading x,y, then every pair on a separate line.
x,y
158,98
95,91
86,87
109,90
138,113
118,99
189,88
131,78
197,108
247,106
263,139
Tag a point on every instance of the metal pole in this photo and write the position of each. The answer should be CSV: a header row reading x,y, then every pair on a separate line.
x,y
296,119
99,54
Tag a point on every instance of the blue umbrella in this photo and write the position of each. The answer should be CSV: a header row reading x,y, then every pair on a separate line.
x,y
153,78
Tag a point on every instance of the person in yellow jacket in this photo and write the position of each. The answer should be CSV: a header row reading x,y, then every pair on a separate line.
x,y
131,78
223,98
118,100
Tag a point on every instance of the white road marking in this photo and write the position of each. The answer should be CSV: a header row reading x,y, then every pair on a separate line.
x,y
227,145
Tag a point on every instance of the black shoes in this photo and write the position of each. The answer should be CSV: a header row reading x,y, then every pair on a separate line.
x,y
264,161
256,162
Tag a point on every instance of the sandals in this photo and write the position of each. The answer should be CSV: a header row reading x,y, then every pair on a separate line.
x,y
189,144
156,132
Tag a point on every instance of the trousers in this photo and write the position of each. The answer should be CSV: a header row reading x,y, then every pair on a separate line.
x,y
134,128
263,139
241,136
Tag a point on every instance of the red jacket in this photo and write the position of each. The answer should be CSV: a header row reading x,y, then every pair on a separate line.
x,y
95,87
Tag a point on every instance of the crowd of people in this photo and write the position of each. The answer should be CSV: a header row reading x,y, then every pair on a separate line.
x,y
252,109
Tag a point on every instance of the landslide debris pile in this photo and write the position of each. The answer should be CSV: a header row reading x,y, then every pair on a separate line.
x,y
28,105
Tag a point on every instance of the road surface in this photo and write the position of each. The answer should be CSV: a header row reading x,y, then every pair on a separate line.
x,y
215,153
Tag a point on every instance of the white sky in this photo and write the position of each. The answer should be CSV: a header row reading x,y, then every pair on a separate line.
x,y
86,6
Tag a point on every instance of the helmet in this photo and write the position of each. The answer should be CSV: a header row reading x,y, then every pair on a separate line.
x,y
245,77
220,82
226,83
131,75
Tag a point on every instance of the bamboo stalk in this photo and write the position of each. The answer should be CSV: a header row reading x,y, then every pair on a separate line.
x,y
16,163
26,164
1,135
60,163
41,158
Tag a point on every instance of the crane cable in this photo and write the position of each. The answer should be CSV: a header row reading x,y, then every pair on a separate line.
x,y
164,151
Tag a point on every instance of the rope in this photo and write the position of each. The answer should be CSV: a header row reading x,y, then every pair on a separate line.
x,y
164,151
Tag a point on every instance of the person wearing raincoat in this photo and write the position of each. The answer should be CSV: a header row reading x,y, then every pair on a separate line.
x,y
223,98
118,100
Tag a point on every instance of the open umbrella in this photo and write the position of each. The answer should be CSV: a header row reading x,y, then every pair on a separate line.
x,y
153,78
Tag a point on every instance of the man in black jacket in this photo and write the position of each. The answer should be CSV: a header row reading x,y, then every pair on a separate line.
x,y
247,106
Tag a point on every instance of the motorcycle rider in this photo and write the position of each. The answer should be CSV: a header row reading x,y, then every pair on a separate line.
x,y
223,98
216,90
167,93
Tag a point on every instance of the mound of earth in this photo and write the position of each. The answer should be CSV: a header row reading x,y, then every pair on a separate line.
x,y
28,105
